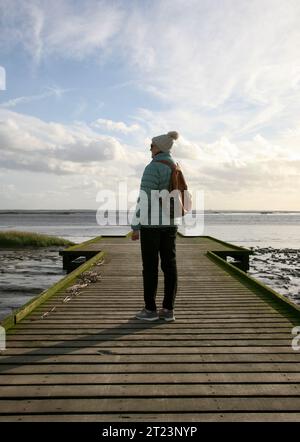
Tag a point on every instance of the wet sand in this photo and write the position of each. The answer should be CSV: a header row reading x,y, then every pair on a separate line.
x,y
279,269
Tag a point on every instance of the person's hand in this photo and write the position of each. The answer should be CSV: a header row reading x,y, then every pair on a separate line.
x,y
135,235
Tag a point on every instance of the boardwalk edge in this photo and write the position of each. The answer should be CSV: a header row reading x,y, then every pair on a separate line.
x,y
253,282
63,283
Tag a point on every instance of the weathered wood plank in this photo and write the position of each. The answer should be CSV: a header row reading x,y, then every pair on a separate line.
x,y
46,368
145,337
47,328
82,349
216,416
151,390
130,314
141,378
121,342
100,358
154,405
207,322
160,332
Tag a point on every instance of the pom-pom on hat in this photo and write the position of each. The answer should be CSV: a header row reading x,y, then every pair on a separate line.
x,y
165,142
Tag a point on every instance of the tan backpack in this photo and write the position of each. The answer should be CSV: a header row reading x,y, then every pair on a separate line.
x,y
183,197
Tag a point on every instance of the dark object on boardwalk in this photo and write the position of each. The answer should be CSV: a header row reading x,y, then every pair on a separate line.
x,y
70,258
76,263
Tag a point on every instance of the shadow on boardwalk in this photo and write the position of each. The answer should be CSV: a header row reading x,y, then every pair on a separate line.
x,y
70,345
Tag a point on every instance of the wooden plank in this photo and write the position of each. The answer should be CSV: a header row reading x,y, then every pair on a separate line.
x,y
121,342
193,333
197,319
151,390
106,336
129,305
223,416
154,405
32,358
19,348
160,378
47,368
180,315
133,308
86,328
104,297
129,347
209,322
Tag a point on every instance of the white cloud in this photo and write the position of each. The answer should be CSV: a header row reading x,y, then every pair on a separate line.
x,y
28,143
62,28
50,91
209,61
84,162
226,63
118,126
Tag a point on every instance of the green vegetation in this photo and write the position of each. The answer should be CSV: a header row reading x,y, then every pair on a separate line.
x,y
14,238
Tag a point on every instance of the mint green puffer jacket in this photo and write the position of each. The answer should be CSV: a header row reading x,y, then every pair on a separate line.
x,y
156,176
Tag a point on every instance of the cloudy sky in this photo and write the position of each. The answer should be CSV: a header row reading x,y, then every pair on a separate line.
x,y
86,84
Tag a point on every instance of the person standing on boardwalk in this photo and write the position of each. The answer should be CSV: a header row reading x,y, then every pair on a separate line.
x,y
158,238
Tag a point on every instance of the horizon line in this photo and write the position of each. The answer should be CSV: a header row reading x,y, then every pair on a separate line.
x,y
193,210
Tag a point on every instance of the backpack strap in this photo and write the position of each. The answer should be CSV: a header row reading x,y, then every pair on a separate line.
x,y
168,163
172,167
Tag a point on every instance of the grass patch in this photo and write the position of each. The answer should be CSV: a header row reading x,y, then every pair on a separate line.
x,y
14,238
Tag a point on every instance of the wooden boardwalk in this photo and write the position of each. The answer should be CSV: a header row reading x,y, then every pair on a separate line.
x,y
228,356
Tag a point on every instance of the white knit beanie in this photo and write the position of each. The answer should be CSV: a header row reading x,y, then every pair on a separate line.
x,y
165,142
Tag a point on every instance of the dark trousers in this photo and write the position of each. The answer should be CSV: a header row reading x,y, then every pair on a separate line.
x,y
157,241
